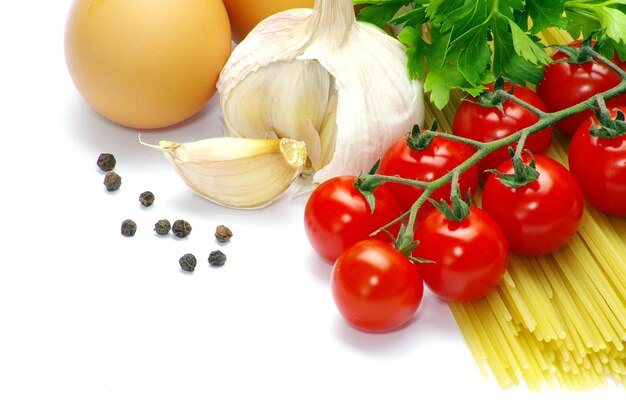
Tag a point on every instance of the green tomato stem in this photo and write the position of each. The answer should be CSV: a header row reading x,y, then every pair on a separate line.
x,y
523,104
397,179
520,145
473,143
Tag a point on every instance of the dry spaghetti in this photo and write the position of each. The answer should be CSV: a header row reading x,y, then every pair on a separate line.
x,y
558,319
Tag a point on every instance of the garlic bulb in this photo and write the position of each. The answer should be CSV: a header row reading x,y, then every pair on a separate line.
x,y
237,172
323,78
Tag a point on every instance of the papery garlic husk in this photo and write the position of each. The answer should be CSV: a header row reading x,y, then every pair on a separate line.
x,y
319,76
236,172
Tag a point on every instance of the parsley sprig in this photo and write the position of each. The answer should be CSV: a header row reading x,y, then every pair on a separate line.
x,y
469,43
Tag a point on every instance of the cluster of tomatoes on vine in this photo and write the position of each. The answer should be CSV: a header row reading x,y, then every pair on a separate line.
x,y
530,203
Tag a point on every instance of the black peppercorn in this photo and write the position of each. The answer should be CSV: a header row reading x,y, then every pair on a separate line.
x,y
129,227
146,198
217,258
162,227
223,234
106,162
188,262
181,228
112,181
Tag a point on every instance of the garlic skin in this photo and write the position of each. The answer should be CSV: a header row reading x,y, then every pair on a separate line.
x,y
321,77
244,173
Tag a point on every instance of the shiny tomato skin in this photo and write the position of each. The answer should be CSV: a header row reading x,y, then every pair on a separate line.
x,y
470,257
566,84
337,216
429,164
540,217
487,124
599,165
375,287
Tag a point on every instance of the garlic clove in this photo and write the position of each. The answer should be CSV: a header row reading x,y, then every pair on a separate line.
x,y
320,142
273,102
241,173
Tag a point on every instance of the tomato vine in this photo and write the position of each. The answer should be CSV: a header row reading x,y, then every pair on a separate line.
x,y
366,183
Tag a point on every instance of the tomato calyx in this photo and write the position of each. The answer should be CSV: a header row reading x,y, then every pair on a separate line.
x,y
607,126
581,54
497,97
458,209
366,184
523,174
418,140
405,244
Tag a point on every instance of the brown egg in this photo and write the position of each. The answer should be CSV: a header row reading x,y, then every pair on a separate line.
x,y
146,64
245,14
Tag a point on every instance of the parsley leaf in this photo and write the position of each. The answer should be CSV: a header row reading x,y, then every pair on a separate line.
x,y
586,16
412,17
444,74
526,46
471,42
614,21
545,14
474,54
380,12
415,52
505,59
581,23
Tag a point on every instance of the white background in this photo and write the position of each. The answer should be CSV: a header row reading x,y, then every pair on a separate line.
x,y
95,323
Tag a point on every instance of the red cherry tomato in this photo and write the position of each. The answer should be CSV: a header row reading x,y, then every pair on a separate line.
x,y
599,165
540,217
337,216
488,124
428,164
567,84
375,287
470,256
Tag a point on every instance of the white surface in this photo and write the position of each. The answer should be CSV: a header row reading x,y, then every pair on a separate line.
x,y
95,323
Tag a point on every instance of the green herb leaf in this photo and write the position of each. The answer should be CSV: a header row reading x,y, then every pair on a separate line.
x,y
614,21
380,12
608,47
411,18
474,54
506,61
473,42
443,74
580,23
586,16
415,52
466,27
527,47
545,14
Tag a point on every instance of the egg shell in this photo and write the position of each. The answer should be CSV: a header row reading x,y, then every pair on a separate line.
x,y
245,14
146,64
